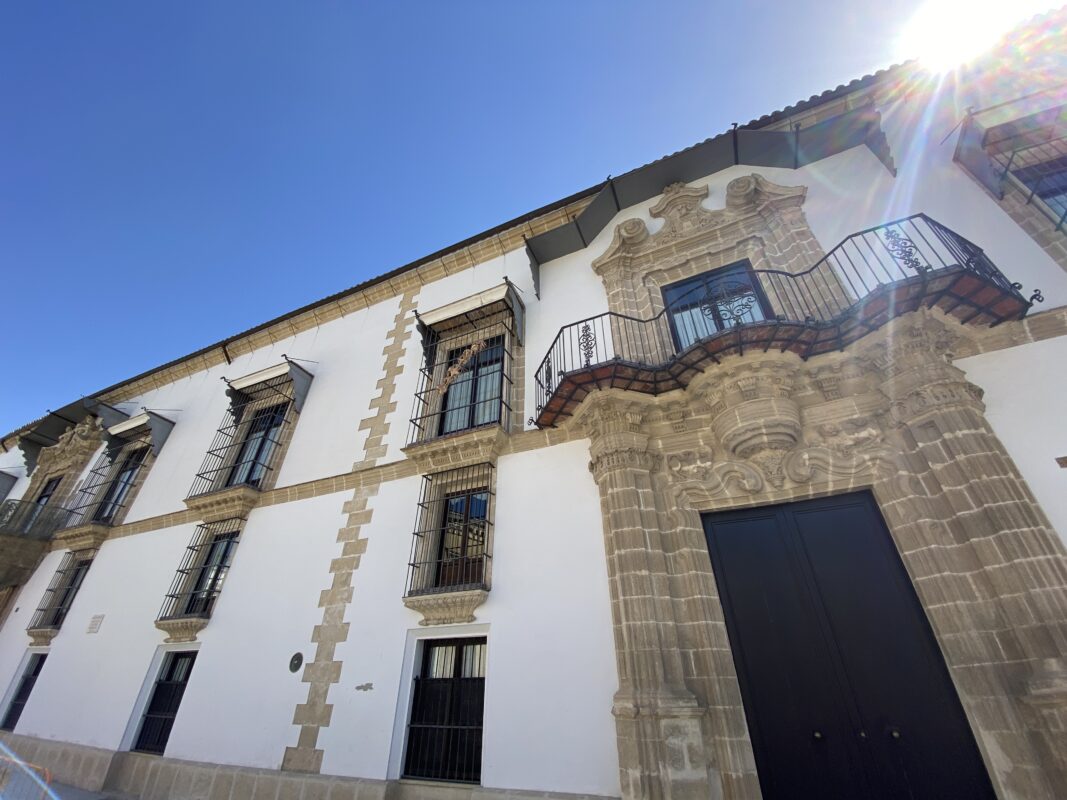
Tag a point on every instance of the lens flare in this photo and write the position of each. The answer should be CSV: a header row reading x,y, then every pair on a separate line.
x,y
944,34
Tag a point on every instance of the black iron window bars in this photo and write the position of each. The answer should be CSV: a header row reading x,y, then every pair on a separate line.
x,y
450,549
112,481
465,380
62,590
867,279
200,576
447,708
246,447
1041,168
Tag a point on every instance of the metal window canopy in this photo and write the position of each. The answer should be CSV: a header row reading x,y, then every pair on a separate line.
x,y
47,430
999,129
241,389
790,149
7,481
469,312
157,427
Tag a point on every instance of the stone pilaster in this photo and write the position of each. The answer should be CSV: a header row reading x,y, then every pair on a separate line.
x,y
658,720
990,569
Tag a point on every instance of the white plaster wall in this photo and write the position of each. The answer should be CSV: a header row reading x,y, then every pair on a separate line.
x,y
86,690
13,638
551,667
1025,387
238,706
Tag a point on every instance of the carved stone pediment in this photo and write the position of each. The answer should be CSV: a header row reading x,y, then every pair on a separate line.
x,y
478,446
685,217
181,629
83,537
447,608
74,448
229,503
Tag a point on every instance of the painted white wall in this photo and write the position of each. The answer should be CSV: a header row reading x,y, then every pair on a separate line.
x,y
238,706
1025,387
88,685
13,638
551,667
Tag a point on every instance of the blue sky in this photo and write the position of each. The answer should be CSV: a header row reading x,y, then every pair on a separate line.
x,y
173,173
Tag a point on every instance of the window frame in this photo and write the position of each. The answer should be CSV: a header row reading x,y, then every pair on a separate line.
x,y
457,704
476,373
22,690
168,718
61,593
740,269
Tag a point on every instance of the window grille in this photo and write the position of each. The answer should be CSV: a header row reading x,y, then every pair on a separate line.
x,y
163,706
199,579
445,732
246,447
450,550
62,590
714,301
22,693
465,380
1035,154
112,481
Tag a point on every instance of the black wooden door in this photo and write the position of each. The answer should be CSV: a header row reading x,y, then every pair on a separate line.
x,y
844,687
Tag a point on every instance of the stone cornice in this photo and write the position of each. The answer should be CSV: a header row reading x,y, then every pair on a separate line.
x,y
83,537
234,501
478,446
447,608
181,629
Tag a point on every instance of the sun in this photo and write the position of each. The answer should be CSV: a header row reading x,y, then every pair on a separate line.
x,y
943,34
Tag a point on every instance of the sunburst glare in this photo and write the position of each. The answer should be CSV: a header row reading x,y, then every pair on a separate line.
x,y
944,34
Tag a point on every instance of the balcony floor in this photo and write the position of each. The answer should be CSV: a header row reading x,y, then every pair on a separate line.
x,y
959,292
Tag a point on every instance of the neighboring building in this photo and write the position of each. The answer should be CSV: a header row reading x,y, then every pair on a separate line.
x,y
739,473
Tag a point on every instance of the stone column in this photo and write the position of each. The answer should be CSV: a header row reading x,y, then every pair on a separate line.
x,y
658,720
990,569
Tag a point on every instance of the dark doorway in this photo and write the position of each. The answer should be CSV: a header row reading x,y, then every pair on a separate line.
x,y
845,690
445,734
163,706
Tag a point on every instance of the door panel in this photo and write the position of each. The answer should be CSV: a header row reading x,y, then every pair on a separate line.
x,y
828,635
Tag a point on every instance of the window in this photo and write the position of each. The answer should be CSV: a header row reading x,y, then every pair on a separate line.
x,y
22,693
49,489
163,705
701,306
450,551
63,589
465,381
260,439
251,441
472,397
445,732
1048,180
199,579
118,488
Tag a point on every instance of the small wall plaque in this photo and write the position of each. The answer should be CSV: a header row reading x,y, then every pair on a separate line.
x,y
94,623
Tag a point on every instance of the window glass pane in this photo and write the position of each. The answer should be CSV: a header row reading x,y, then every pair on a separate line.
x,y
714,301
442,662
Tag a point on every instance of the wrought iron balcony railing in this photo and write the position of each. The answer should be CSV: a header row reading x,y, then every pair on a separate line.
x,y
28,520
866,280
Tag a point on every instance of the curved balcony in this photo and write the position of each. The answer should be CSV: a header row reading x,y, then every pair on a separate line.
x,y
28,520
865,281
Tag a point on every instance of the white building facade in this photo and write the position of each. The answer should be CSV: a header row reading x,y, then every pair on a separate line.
x,y
593,503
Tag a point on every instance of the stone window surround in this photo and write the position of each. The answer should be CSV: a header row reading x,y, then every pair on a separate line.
x,y
450,606
502,323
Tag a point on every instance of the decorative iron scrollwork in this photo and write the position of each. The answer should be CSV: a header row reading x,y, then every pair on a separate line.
x,y
587,343
904,251
731,300
1037,297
